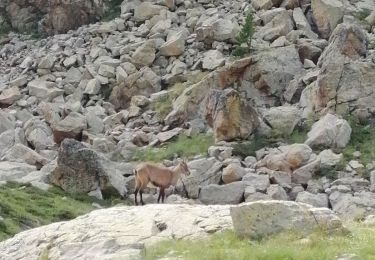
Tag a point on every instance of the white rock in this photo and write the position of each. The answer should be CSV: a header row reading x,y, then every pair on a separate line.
x,y
213,59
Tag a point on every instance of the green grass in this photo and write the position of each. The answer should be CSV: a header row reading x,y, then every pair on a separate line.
x,y
24,207
362,14
248,148
114,10
183,146
363,140
286,246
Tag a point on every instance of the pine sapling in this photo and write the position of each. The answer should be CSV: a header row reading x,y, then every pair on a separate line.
x,y
245,36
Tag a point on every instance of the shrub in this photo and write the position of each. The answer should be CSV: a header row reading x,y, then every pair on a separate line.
x,y
244,37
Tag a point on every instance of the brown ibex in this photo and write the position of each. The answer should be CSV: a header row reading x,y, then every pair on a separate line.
x,y
159,176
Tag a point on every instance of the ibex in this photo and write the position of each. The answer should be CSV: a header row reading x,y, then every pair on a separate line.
x,y
159,176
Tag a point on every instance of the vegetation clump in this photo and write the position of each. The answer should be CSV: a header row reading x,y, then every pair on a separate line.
x,y
289,245
245,37
23,207
183,146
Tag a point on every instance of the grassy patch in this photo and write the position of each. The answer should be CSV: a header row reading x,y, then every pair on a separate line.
x,y
362,14
363,140
183,146
248,148
114,10
24,207
286,246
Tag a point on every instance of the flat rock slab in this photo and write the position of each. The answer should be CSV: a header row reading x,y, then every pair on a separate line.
x,y
116,233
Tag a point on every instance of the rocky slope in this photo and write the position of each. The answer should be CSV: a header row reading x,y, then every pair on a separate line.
x,y
104,85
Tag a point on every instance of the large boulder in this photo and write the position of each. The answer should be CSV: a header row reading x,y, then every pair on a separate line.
x,y
319,200
80,169
144,82
330,132
265,218
203,172
38,134
353,207
23,154
231,193
345,80
106,230
328,14
292,158
269,74
229,116
188,105
13,171
70,127
282,120
7,121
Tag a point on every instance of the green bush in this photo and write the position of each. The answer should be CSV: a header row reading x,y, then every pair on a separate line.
x,y
183,146
244,37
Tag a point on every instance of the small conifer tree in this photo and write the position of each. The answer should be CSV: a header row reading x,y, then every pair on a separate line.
x,y
244,37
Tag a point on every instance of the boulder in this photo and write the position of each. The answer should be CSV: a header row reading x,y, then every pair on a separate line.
x,y
188,106
353,207
148,225
70,127
38,134
258,181
212,59
231,193
292,158
7,140
328,14
175,44
319,200
13,171
146,10
23,154
262,218
270,73
276,192
229,116
282,120
8,121
329,159
232,173
80,169
9,96
44,90
144,55
144,82
329,132
354,94
203,172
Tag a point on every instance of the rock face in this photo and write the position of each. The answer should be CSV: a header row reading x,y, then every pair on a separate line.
x,y
230,117
330,132
342,67
327,14
58,16
80,169
260,219
121,240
